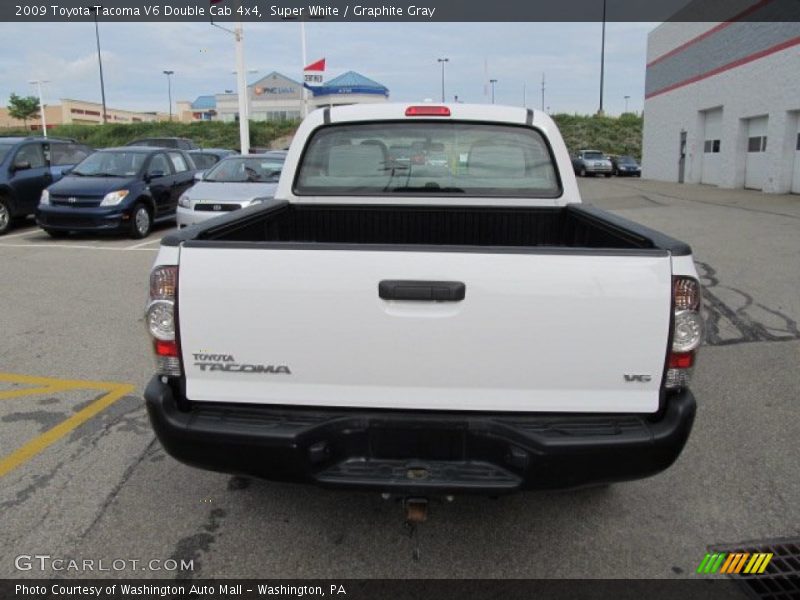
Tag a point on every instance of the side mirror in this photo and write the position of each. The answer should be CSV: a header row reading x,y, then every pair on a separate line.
x,y
154,174
198,176
22,165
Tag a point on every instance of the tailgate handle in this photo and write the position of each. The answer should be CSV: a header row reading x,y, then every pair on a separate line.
x,y
426,291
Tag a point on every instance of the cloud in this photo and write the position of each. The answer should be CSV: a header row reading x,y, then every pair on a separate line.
x,y
402,56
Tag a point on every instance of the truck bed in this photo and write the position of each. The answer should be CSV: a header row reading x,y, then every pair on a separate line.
x,y
572,227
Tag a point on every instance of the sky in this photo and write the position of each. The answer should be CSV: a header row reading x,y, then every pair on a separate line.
x,y
402,56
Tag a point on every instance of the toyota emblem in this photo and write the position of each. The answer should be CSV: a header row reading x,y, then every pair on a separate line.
x,y
217,207
72,199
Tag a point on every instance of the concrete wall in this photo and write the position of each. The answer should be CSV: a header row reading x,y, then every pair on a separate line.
x,y
768,86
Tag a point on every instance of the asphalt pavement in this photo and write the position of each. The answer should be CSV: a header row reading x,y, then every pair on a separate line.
x,y
84,478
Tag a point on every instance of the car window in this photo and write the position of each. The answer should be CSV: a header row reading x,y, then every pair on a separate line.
x,y
474,159
245,169
31,153
204,161
178,162
67,154
593,155
159,162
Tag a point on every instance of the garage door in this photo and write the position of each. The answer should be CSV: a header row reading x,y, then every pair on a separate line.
x,y
710,172
796,178
755,173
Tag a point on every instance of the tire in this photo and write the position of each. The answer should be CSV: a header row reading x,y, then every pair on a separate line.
x,y
56,234
5,216
582,172
608,175
141,221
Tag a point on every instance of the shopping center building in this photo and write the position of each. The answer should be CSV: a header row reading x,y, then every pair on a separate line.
x,y
278,97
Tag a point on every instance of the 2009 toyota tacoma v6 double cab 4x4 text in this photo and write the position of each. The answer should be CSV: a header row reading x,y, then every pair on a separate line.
x,y
422,329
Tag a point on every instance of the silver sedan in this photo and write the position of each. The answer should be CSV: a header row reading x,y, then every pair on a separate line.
x,y
233,183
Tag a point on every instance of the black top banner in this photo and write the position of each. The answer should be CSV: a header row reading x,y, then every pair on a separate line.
x,y
401,10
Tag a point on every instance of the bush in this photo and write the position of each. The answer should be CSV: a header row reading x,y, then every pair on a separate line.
x,y
207,134
622,135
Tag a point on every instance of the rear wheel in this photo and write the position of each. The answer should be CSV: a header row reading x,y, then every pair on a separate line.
x,y
5,216
141,222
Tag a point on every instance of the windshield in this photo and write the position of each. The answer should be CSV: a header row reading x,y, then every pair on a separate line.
x,y
593,155
4,148
245,170
627,160
111,164
428,157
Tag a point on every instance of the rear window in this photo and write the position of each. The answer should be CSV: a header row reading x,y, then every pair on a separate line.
x,y
428,158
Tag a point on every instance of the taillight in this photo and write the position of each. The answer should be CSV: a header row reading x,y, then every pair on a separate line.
x,y
428,111
160,320
687,332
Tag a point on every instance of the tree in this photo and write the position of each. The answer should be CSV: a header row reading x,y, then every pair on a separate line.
x,y
23,107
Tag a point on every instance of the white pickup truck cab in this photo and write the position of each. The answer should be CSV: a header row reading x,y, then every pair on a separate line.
x,y
425,307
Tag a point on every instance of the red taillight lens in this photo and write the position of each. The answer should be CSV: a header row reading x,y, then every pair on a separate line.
x,y
161,320
687,332
428,111
166,348
681,361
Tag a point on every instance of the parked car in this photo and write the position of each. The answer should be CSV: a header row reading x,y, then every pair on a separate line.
x,y
206,158
27,166
395,330
123,189
592,162
231,184
626,166
166,142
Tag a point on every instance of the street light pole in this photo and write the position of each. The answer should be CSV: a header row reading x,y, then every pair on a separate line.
x,y
442,61
38,83
626,102
100,62
602,61
493,81
169,90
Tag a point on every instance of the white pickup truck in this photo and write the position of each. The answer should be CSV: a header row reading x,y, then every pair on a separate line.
x,y
425,308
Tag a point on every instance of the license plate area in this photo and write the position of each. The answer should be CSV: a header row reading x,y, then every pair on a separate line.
x,y
422,442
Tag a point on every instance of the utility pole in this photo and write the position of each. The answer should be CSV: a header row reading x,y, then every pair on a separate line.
x,y
524,96
626,103
169,90
38,83
493,81
100,62
543,91
602,61
442,61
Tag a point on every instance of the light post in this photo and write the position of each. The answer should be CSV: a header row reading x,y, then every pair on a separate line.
x,y
241,84
442,61
626,103
493,81
247,103
38,83
169,90
602,61
100,62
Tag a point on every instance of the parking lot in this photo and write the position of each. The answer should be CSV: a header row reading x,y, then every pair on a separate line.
x,y
83,477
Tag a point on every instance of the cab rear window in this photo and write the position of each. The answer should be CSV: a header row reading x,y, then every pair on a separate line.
x,y
428,158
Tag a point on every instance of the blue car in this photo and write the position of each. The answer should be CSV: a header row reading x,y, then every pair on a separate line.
x,y
124,190
27,166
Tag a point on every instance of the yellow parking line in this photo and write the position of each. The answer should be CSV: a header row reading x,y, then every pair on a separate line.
x,y
26,452
30,391
53,382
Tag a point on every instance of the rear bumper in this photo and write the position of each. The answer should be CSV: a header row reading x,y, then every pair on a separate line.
x,y
417,452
